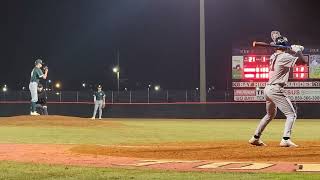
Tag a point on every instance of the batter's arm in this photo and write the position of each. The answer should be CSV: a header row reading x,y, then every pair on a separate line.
x,y
296,50
301,58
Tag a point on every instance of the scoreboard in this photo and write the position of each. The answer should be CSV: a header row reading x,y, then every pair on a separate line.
x,y
257,67
250,72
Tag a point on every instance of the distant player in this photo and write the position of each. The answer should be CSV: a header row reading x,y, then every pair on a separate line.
x,y
99,99
42,100
36,75
280,63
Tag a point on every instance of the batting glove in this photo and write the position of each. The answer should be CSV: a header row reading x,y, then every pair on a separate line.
x,y
297,48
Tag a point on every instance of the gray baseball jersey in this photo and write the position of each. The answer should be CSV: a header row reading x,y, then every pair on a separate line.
x,y
280,64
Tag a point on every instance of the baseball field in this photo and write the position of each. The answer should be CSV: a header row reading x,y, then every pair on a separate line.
x,y
58,147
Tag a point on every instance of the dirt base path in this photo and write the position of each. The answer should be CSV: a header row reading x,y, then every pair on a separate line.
x,y
230,151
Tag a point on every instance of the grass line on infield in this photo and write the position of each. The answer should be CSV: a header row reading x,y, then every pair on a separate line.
x,y
145,132
13,171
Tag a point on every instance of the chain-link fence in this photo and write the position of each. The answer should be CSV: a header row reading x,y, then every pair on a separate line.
x,y
162,96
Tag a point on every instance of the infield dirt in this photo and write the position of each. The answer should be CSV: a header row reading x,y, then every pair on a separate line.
x,y
106,155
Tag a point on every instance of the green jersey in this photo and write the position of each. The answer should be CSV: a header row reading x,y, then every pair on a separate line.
x,y
99,95
36,74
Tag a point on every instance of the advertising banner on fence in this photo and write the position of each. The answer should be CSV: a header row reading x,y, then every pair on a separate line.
x,y
314,66
292,94
237,67
296,84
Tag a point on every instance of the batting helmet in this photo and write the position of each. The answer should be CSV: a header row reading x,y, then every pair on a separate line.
x,y
283,41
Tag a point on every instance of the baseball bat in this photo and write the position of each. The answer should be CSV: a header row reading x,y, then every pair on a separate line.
x,y
264,44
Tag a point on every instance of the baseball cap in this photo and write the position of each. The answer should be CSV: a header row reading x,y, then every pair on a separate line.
x,y
38,61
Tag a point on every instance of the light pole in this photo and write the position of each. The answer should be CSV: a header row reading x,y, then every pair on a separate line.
x,y
4,90
49,85
58,87
117,71
149,86
203,91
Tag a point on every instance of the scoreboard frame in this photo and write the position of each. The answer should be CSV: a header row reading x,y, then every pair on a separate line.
x,y
239,64
304,80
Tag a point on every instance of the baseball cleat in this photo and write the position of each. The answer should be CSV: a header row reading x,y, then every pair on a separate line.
x,y
100,118
93,118
287,143
256,142
34,114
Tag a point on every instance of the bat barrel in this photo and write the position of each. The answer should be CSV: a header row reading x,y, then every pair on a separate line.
x,y
254,44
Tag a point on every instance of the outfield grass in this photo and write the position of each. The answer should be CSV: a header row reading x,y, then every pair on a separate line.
x,y
14,171
153,131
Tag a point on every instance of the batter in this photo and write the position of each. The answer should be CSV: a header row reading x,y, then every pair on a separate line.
x,y
280,63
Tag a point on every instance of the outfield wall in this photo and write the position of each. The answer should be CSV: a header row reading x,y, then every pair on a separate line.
x,y
211,110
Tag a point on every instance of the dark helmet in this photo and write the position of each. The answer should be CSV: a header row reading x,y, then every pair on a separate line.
x,y
283,41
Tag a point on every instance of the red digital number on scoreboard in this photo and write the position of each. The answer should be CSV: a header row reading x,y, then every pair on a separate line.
x,y
256,67
300,72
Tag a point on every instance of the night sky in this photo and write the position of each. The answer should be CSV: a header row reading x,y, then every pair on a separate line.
x,y
158,40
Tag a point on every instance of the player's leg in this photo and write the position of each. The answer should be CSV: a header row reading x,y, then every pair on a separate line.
x,y
100,109
45,110
95,110
34,97
284,104
39,107
271,110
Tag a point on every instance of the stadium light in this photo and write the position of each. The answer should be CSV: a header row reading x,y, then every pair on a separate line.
x,y
58,85
115,69
157,88
84,85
